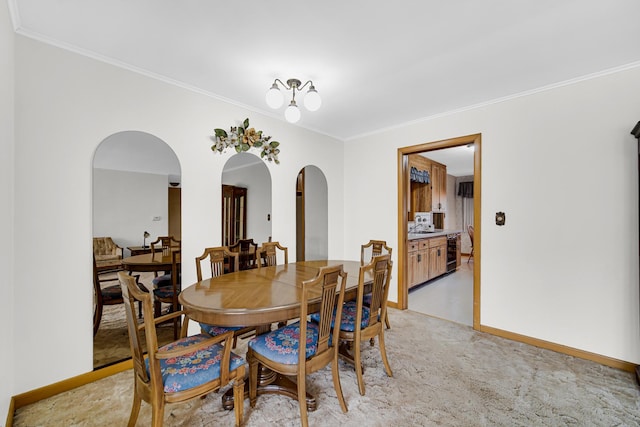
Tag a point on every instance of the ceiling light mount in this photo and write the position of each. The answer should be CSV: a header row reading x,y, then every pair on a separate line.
x,y
275,98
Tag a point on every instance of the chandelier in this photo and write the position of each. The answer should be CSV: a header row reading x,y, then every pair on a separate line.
x,y
275,98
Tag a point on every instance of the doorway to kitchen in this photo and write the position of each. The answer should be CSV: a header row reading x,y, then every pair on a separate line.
x,y
404,211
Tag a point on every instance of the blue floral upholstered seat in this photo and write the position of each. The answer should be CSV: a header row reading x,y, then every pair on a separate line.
x,y
282,345
215,330
195,368
348,323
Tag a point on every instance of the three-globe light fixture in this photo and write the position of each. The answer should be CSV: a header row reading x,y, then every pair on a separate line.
x,y
275,98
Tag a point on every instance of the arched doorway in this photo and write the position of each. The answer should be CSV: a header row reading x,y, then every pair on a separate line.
x,y
312,215
136,189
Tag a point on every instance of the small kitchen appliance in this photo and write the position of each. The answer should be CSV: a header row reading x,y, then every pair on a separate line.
x,y
423,222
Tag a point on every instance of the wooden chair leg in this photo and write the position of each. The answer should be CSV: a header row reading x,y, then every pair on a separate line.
x,y
358,365
383,353
135,410
336,383
238,397
253,378
302,398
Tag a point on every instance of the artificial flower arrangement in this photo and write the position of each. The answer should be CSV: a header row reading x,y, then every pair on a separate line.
x,y
244,138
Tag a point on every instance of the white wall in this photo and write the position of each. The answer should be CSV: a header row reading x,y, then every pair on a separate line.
x,y
125,203
562,165
7,374
63,111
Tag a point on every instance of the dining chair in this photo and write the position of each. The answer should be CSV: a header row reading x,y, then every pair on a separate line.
x,y
248,252
169,294
269,254
470,230
109,295
221,261
367,252
186,368
304,347
164,245
373,248
361,322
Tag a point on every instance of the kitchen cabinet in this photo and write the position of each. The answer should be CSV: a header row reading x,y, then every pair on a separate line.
x,y
437,256
438,187
427,259
418,261
420,192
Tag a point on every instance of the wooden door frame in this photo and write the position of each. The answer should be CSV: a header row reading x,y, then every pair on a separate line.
x,y
403,202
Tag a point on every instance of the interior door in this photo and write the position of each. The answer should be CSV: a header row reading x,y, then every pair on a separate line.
x,y
234,214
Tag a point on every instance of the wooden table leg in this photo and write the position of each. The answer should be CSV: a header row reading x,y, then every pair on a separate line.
x,y
270,382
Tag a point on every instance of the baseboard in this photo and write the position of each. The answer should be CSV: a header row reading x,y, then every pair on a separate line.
x,y
29,397
570,351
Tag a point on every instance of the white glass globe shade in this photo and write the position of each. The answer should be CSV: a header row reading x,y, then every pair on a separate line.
x,y
292,113
274,97
312,100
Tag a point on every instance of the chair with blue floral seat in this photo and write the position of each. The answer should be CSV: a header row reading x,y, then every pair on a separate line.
x,y
361,322
367,252
181,370
221,261
304,347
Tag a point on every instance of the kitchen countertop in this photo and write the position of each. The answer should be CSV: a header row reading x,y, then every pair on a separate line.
x,y
437,233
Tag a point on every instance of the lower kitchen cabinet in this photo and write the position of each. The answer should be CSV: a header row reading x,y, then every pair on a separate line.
x,y
437,257
418,256
427,259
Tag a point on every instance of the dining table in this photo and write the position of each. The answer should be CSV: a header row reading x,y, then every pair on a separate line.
x,y
261,297
149,262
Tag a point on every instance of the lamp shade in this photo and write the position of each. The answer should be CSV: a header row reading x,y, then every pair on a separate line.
x,y
292,113
274,97
312,100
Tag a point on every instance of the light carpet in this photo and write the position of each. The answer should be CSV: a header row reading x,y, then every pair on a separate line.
x,y
444,374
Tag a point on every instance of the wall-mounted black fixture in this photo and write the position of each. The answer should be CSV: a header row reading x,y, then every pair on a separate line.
x,y
500,218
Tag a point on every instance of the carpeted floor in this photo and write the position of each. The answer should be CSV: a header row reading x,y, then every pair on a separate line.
x,y
445,374
111,342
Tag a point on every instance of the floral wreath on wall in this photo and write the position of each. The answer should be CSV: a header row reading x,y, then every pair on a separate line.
x,y
244,138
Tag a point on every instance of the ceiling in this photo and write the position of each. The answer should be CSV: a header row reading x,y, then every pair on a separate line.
x,y
376,64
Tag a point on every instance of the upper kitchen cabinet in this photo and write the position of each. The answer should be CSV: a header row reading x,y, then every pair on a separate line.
x,y
427,184
438,187
419,185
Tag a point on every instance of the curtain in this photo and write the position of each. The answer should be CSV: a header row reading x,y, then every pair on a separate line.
x,y
465,190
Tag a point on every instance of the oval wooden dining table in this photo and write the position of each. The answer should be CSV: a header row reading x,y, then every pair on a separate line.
x,y
260,297
153,262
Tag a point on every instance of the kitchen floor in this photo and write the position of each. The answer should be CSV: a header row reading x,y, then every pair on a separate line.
x,y
449,297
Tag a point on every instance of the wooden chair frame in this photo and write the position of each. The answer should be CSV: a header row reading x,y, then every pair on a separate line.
x,y
269,254
379,247
324,286
247,258
218,257
148,385
379,269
